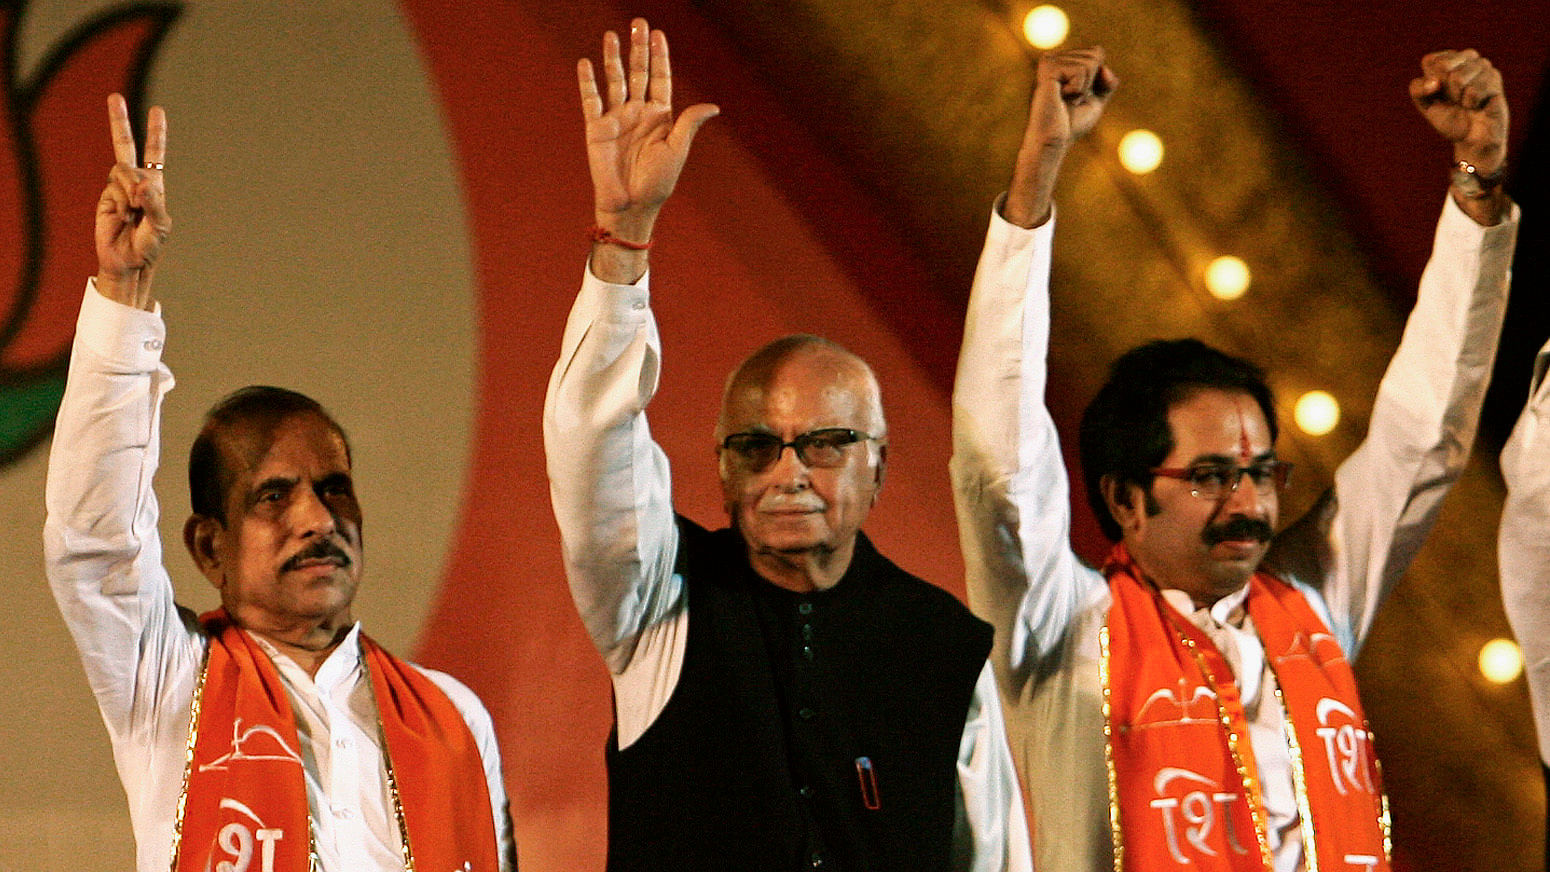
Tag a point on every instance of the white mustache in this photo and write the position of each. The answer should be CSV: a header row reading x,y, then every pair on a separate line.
x,y
790,505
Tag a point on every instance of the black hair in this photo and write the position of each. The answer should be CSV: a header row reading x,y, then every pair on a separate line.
x,y
1125,432
208,477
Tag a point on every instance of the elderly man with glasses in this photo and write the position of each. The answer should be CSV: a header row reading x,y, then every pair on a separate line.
x,y
822,708
1183,707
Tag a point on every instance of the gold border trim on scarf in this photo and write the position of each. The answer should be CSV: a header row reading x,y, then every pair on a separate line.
x,y
188,756
1116,835
1310,848
1384,820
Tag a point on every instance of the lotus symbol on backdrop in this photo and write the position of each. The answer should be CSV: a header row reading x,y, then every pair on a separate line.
x,y
51,161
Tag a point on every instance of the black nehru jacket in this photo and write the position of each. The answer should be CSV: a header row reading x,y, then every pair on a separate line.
x,y
806,731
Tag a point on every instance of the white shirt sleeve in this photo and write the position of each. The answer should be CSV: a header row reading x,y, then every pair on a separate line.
x,y
102,552
1009,478
1359,540
611,490
990,833
1524,542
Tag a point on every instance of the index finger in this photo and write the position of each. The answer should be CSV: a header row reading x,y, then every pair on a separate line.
x,y
123,135
155,136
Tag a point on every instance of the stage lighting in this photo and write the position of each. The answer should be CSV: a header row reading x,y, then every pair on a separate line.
x,y
1046,27
1316,413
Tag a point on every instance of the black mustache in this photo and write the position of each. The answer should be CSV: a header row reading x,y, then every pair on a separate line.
x,y
1238,528
321,550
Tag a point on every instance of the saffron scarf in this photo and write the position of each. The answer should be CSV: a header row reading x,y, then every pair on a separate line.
x,y
1184,791
244,799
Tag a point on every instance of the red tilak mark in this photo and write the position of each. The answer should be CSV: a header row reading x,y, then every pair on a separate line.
x,y
1245,451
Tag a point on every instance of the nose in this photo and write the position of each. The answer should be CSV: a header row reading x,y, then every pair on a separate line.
x,y
1245,498
788,472
311,516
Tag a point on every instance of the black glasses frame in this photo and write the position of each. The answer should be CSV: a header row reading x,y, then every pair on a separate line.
x,y
759,451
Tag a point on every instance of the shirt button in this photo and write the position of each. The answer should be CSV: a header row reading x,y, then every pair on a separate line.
x,y
805,792
807,632
805,608
807,651
805,713
153,345
343,812
638,305
816,860
342,742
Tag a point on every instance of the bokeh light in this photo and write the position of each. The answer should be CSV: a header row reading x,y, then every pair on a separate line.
x,y
1316,412
1501,661
1140,151
1046,27
1228,277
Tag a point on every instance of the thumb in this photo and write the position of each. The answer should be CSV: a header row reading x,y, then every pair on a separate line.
x,y
1047,116
689,123
1424,89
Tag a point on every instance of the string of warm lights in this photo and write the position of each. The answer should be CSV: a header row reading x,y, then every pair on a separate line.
x,y
1227,278
1141,151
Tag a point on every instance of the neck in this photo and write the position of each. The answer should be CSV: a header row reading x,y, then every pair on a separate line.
x,y
1204,600
307,644
1204,592
802,571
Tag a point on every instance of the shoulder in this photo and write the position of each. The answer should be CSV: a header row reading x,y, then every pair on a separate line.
x,y
911,593
698,545
464,699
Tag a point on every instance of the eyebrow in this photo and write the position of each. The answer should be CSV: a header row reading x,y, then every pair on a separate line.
x,y
275,482
1226,460
336,478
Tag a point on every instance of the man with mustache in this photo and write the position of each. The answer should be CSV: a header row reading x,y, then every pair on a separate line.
x,y
270,733
1184,707
784,696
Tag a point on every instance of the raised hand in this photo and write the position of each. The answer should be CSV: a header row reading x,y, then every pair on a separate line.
x,y
1070,90
1460,93
635,148
132,219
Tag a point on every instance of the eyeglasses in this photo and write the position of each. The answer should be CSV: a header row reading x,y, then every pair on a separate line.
x,y
1209,481
815,448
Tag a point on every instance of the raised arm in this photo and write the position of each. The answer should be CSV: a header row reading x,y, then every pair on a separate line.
x,y
1357,542
608,480
102,553
1009,480
1524,547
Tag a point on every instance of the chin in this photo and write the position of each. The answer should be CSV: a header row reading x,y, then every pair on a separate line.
x,y
785,544
1228,579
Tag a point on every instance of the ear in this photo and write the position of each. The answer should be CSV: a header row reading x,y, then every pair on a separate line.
x,y
1126,502
880,471
202,536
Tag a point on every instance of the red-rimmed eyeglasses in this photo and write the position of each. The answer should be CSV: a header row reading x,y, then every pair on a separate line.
x,y
1209,481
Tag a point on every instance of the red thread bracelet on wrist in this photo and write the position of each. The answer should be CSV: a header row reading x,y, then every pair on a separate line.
x,y
601,235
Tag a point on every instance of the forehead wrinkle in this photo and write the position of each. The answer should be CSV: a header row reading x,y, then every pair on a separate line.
x,y
829,378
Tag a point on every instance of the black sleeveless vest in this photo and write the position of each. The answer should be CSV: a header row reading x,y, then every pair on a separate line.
x,y
806,731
